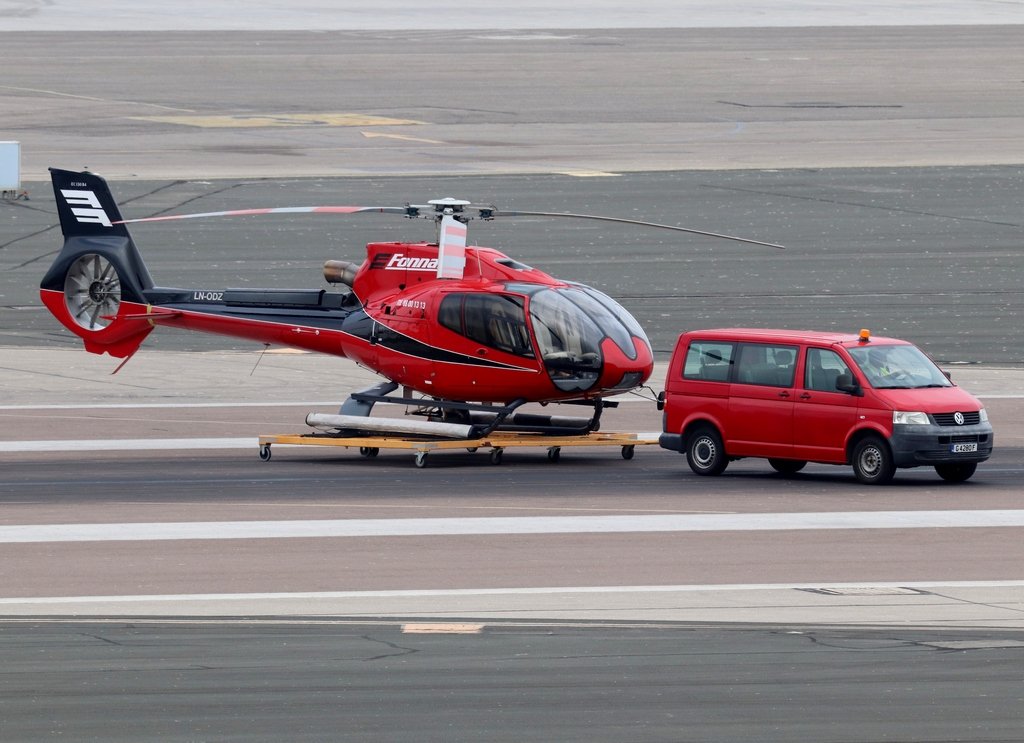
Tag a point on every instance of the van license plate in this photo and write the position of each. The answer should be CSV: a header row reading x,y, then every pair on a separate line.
x,y
963,448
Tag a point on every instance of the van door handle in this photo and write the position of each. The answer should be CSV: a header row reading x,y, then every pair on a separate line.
x,y
805,396
784,394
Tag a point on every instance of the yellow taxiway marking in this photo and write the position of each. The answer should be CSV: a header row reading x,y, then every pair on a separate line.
x,y
448,628
373,135
264,121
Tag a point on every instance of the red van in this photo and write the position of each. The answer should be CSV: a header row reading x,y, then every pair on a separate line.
x,y
795,397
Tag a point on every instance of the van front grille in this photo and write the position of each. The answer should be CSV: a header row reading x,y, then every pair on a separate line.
x,y
949,419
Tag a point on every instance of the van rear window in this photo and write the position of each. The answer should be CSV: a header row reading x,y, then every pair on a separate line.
x,y
709,361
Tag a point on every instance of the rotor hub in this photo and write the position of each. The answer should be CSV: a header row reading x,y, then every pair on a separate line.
x,y
98,291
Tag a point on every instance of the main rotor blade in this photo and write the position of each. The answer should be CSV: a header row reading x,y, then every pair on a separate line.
x,y
277,210
500,213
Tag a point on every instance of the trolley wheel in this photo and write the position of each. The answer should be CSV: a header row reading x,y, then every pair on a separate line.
x,y
421,459
265,452
496,455
554,453
369,451
471,449
628,451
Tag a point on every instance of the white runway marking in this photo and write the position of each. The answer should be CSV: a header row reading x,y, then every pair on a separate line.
x,y
250,442
469,592
172,405
488,16
334,528
242,404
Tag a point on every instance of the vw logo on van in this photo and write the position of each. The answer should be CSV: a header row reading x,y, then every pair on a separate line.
x,y
959,418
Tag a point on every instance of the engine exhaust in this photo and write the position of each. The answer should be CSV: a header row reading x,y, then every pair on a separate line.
x,y
340,272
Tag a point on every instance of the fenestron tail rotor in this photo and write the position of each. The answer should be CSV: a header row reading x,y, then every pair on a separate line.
x,y
92,291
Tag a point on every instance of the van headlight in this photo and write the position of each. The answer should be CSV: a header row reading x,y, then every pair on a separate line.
x,y
904,418
983,415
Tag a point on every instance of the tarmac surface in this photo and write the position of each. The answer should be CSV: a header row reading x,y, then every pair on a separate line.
x,y
467,103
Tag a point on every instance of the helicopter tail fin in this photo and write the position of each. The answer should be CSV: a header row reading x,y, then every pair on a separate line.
x,y
96,286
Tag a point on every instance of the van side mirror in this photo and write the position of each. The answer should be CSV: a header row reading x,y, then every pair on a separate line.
x,y
846,383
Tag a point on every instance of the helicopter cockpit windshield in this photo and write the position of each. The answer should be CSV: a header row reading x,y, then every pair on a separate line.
x,y
570,325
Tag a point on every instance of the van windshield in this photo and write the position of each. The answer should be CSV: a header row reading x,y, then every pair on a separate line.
x,y
898,367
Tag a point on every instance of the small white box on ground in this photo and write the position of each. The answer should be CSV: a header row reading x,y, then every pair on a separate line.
x,y
10,166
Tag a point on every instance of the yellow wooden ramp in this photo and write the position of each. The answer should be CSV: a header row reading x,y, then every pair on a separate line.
x,y
370,446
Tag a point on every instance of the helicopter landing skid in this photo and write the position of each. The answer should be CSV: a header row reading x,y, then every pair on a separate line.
x,y
482,419
440,411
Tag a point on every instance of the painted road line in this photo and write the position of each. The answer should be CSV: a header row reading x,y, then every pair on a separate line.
x,y
172,405
339,528
264,121
626,398
250,442
80,445
525,591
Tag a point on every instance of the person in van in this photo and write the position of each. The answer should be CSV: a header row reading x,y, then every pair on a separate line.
x,y
794,397
876,365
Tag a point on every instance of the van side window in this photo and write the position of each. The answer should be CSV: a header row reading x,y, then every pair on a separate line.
x,y
823,369
708,361
764,364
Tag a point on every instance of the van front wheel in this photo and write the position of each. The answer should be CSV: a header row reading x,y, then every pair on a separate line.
x,y
872,461
705,453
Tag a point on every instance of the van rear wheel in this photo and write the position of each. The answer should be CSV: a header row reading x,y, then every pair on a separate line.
x,y
872,461
957,472
787,466
705,452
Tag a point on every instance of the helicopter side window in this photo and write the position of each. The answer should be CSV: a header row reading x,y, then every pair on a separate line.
x,y
450,314
494,320
474,318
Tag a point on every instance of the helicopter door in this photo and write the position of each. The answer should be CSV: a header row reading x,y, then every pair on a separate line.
x,y
569,341
496,321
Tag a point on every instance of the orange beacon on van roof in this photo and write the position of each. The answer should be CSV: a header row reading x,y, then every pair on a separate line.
x,y
795,397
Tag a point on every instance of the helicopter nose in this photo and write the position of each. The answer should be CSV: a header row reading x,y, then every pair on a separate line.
x,y
622,373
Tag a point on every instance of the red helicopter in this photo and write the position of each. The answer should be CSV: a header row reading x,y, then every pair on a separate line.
x,y
473,332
